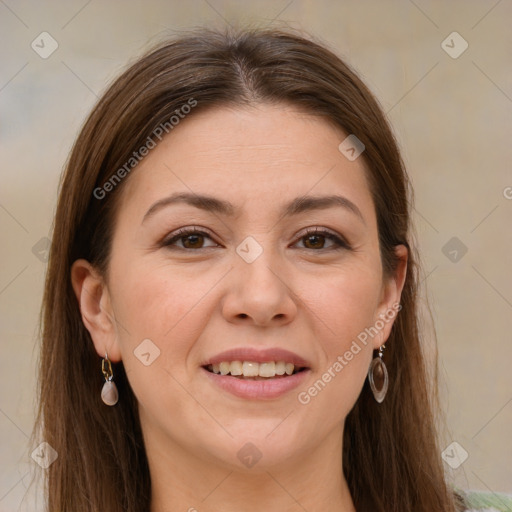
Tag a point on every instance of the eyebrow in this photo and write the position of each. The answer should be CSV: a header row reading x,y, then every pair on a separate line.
x,y
212,204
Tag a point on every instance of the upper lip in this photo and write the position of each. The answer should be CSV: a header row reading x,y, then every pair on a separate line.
x,y
258,356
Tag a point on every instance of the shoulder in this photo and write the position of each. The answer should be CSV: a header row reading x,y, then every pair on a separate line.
x,y
478,501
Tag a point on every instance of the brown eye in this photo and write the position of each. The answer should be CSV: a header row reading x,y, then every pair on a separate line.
x,y
190,239
316,239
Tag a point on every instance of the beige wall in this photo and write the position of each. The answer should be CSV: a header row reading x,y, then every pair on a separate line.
x,y
451,115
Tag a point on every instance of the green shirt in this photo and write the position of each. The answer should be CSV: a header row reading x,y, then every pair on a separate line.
x,y
486,501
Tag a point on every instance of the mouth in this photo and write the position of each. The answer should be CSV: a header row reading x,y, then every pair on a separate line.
x,y
252,370
257,373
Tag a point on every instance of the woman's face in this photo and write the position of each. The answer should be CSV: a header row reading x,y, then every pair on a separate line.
x,y
251,280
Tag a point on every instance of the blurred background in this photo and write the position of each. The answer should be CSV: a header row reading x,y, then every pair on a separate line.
x,y
442,72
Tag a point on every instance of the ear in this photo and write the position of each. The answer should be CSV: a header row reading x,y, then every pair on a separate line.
x,y
97,315
389,305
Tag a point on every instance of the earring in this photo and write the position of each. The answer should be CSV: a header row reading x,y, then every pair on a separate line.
x,y
378,376
109,393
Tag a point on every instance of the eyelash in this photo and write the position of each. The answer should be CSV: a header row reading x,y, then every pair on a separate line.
x,y
184,232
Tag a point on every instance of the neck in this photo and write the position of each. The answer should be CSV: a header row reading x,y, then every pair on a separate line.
x,y
183,481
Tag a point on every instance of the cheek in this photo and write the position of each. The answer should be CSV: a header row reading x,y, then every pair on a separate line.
x,y
155,303
346,307
346,300
162,310
172,307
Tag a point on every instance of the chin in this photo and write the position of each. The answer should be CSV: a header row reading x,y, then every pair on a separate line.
x,y
260,451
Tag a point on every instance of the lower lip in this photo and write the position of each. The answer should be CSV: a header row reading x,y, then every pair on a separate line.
x,y
257,389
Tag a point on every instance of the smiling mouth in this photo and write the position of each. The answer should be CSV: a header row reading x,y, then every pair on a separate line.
x,y
250,370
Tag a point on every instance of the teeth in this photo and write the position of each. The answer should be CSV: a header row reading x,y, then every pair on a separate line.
x,y
251,369
224,368
280,368
267,369
236,368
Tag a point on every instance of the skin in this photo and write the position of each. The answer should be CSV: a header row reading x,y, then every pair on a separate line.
x,y
299,294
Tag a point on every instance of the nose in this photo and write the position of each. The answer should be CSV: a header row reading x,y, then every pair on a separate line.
x,y
260,293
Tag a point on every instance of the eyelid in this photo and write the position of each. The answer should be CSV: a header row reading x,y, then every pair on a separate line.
x,y
316,229
186,231
340,242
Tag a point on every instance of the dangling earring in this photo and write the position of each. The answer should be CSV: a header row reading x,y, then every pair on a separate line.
x,y
378,376
109,393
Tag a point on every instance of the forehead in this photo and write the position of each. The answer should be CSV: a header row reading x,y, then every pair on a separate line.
x,y
251,154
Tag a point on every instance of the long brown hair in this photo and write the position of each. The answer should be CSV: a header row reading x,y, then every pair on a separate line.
x,y
391,457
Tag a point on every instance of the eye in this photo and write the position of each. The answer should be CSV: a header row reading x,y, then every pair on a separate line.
x,y
315,239
190,238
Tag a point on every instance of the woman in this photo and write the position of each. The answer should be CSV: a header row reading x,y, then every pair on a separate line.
x,y
230,313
